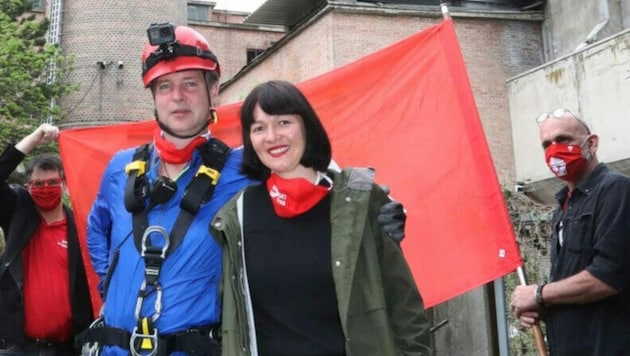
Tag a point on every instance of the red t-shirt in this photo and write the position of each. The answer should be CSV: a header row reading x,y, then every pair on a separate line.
x,y
47,311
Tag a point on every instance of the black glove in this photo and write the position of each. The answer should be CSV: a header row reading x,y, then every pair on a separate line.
x,y
392,218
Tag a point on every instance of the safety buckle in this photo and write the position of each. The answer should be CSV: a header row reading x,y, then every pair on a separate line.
x,y
213,174
139,166
153,256
94,348
144,342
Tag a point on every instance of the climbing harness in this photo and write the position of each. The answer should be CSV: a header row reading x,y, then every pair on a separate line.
x,y
155,245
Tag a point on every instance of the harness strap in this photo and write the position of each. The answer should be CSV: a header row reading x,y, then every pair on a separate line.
x,y
137,186
175,50
104,335
136,190
214,155
193,344
145,337
194,341
110,272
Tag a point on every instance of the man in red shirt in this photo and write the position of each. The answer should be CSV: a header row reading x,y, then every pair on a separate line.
x,y
44,297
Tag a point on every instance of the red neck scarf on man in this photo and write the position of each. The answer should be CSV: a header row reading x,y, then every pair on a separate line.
x,y
173,155
293,197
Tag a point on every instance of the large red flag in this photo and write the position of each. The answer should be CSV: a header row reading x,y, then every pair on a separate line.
x,y
409,112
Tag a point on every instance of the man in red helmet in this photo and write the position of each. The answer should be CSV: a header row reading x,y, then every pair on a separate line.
x,y
148,234
148,228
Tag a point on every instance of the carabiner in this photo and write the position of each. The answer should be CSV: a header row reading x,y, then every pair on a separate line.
x,y
94,348
157,306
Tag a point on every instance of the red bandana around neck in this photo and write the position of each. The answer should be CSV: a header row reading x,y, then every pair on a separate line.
x,y
293,197
171,154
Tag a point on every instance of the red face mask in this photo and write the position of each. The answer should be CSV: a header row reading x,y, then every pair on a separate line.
x,y
46,198
293,197
565,161
171,154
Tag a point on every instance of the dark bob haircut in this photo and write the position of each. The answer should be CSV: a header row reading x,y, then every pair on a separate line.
x,y
278,97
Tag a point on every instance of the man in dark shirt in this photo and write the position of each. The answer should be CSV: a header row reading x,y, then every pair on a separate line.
x,y
586,304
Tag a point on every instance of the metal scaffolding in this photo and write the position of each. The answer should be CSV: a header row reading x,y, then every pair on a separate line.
x,y
54,35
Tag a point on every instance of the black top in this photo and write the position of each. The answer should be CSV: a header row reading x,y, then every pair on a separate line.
x,y
289,272
596,237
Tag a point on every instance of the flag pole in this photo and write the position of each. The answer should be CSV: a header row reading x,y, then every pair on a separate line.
x,y
538,334
445,13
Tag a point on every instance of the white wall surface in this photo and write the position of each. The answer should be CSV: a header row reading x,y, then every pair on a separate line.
x,y
593,83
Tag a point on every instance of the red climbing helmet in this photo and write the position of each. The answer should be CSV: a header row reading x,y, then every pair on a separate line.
x,y
175,48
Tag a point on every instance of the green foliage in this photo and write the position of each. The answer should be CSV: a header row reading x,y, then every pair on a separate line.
x,y
25,59
14,8
531,223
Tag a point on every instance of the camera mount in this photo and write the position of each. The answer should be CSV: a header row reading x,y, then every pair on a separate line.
x,y
161,33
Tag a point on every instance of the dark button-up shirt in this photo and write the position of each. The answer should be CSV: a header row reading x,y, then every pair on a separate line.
x,y
595,231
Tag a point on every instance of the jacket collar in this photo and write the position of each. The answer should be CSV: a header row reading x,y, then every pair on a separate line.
x,y
586,185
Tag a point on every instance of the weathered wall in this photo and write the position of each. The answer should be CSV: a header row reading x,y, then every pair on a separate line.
x,y
592,83
569,23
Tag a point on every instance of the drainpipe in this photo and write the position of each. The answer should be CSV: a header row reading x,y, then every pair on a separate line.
x,y
54,37
604,16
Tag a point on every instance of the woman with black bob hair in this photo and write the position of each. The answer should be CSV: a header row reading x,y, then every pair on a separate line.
x,y
282,98
307,269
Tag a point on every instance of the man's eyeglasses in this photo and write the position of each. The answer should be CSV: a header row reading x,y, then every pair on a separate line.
x,y
52,182
558,114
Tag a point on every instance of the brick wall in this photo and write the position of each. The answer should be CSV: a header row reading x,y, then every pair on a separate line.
x,y
493,50
110,31
115,30
230,44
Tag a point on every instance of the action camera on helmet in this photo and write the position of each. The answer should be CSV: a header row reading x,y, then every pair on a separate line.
x,y
161,33
173,48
